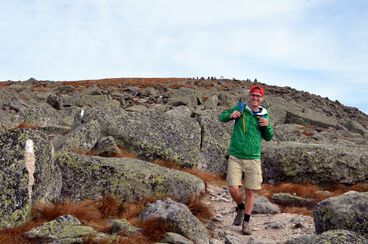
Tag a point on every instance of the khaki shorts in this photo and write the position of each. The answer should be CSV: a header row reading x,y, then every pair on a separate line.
x,y
252,172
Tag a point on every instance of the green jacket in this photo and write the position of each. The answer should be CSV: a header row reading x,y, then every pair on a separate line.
x,y
247,134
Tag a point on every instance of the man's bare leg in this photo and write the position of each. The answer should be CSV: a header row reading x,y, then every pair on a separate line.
x,y
236,194
249,203
238,198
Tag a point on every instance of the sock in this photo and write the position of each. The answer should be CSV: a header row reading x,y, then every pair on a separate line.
x,y
246,217
241,206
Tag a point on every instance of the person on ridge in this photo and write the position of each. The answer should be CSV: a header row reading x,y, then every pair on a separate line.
x,y
251,125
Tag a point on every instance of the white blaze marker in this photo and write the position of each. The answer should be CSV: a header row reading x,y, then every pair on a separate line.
x,y
29,156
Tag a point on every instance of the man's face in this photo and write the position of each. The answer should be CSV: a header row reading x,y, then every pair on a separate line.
x,y
256,98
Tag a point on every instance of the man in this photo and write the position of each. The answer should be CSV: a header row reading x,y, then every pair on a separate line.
x,y
251,125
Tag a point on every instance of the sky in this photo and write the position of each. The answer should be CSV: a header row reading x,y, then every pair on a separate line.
x,y
318,46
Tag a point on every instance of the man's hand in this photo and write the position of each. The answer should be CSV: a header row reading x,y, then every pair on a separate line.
x,y
263,121
235,115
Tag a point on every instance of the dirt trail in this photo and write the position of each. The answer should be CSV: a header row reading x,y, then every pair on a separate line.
x,y
277,227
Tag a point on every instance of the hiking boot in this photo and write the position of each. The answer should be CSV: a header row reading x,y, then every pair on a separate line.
x,y
246,230
239,216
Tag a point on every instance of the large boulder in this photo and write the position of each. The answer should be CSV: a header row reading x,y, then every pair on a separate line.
x,y
309,117
173,135
355,126
347,211
95,100
41,115
27,173
287,199
215,138
106,146
179,218
301,162
182,96
180,135
83,137
125,178
14,102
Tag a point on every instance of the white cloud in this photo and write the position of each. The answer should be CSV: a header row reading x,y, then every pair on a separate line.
x,y
293,42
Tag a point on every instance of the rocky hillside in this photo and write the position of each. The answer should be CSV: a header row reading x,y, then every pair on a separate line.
x,y
58,140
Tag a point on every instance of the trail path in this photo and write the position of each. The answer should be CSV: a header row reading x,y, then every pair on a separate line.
x,y
266,227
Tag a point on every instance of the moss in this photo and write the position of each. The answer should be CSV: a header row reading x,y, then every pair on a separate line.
x,y
23,137
159,180
16,217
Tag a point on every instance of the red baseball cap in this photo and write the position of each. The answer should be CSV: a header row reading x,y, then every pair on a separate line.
x,y
257,87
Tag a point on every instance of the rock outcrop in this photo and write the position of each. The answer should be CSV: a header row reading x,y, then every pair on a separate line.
x,y
302,162
347,212
28,173
179,218
65,229
331,236
86,177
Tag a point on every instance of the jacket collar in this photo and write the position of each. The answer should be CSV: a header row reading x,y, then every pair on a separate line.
x,y
263,110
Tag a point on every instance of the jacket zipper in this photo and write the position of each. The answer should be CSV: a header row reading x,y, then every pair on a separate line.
x,y
243,118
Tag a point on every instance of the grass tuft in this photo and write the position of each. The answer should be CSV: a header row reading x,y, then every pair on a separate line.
x,y
85,210
15,235
156,228
26,125
199,209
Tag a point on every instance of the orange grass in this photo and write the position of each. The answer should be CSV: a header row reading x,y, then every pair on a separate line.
x,y
308,133
139,82
108,206
131,210
15,235
207,177
85,210
167,164
309,190
360,187
155,229
297,210
173,83
137,238
125,153
26,125
40,89
4,84
199,209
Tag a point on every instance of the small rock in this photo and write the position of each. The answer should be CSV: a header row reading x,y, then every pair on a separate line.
x,y
137,108
122,226
253,240
174,238
229,239
215,241
263,206
298,225
273,225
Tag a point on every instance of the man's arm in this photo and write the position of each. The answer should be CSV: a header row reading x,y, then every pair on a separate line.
x,y
226,115
267,131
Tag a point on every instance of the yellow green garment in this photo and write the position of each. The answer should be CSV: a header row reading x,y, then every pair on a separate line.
x,y
247,134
